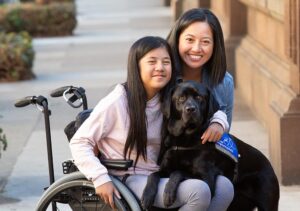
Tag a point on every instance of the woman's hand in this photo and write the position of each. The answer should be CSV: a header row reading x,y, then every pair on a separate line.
x,y
106,192
213,133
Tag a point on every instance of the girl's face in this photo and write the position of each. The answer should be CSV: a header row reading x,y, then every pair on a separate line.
x,y
196,45
155,69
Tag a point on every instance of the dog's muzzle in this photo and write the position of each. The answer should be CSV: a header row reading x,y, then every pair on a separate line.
x,y
190,109
191,114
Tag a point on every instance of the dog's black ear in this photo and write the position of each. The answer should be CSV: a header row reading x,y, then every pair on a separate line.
x,y
165,145
213,105
175,127
179,80
167,103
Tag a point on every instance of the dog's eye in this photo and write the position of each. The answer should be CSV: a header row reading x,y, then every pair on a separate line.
x,y
200,98
181,99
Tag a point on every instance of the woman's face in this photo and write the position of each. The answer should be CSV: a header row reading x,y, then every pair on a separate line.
x,y
155,69
196,45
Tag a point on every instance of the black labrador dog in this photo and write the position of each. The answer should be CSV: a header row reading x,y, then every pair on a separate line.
x,y
187,112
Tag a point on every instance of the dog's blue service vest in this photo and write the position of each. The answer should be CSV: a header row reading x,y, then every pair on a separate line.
x,y
227,146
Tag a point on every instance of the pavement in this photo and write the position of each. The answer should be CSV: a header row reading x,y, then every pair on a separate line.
x,y
94,58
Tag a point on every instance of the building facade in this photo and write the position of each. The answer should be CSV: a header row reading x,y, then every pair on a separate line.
x,y
262,39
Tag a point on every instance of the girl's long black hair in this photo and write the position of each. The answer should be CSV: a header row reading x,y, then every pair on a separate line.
x,y
137,96
216,65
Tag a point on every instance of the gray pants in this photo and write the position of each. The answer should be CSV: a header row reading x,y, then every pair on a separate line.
x,y
192,194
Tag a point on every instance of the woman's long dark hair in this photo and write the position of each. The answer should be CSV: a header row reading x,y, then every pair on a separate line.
x,y
137,96
216,65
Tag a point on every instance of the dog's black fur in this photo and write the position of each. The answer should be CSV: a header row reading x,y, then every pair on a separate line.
x,y
187,113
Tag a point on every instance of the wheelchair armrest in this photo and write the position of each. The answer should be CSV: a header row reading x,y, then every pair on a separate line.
x,y
117,164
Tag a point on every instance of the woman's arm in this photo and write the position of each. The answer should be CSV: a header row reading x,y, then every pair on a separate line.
x,y
229,98
221,121
218,125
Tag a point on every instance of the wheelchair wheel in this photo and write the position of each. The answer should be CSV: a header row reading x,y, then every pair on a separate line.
x,y
74,189
77,195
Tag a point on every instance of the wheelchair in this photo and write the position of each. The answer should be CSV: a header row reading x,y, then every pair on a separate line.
x,y
74,191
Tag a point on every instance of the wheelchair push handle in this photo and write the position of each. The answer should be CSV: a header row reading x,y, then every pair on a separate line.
x,y
39,101
71,94
24,101
60,91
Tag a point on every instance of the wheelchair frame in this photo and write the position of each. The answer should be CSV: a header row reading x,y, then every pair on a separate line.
x,y
75,184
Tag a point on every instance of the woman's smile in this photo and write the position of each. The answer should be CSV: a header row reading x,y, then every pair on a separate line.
x,y
195,57
196,45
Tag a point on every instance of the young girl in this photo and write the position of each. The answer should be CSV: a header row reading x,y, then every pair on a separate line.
x,y
198,48
127,124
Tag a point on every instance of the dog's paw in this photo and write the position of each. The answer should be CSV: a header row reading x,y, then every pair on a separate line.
x,y
147,200
169,197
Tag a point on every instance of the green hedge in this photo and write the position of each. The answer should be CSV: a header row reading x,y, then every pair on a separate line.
x,y
16,56
54,19
23,1
3,141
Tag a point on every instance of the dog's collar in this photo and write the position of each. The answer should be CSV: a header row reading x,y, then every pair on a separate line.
x,y
225,145
184,148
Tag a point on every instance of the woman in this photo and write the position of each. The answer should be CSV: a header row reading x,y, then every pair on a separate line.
x,y
197,44
198,48
127,124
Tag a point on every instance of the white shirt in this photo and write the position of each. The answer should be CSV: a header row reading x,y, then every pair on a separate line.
x,y
107,129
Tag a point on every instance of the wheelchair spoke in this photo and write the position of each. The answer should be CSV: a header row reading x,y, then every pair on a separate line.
x,y
77,195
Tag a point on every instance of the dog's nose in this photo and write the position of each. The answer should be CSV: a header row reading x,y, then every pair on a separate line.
x,y
190,109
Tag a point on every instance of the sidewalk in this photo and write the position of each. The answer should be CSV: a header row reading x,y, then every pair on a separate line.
x,y
94,58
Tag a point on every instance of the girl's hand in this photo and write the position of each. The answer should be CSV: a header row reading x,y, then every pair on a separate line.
x,y
106,192
213,133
